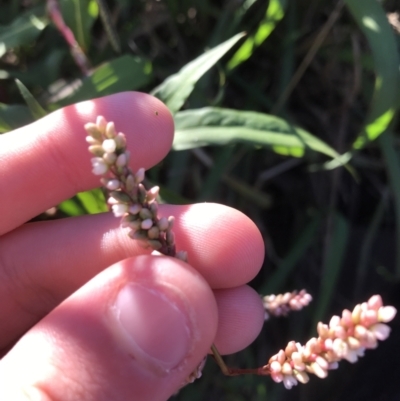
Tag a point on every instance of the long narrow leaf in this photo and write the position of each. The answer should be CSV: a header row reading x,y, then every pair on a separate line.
x,y
93,201
35,108
217,126
118,75
176,89
79,16
372,20
22,30
274,13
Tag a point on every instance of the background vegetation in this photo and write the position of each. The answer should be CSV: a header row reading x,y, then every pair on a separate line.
x,y
295,124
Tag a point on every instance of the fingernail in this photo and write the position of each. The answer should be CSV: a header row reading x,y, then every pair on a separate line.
x,y
156,327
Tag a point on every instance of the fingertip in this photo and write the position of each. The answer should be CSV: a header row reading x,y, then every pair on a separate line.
x,y
241,317
223,243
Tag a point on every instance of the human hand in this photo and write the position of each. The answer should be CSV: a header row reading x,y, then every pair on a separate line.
x,y
85,312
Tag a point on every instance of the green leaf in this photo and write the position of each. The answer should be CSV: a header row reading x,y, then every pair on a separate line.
x,y
93,201
71,207
35,108
176,89
14,116
372,20
23,30
217,126
79,16
122,74
274,13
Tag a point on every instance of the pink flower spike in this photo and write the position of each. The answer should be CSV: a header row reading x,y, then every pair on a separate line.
x,y
318,371
112,201
152,193
386,313
146,224
99,166
289,382
122,160
375,302
101,123
275,367
302,377
381,331
135,208
355,315
281,356
333,365
110,130
109,145
335,321
369,317
139,176
346,318
277,377
351,356
113,184
119,210
322,362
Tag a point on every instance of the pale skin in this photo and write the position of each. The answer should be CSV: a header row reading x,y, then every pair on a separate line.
x,y
60,337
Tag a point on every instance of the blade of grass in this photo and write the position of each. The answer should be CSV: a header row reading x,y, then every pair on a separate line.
x,y
176,89
92,201
332,266
71,207
79,16
372,20
117,75
35,108
274,13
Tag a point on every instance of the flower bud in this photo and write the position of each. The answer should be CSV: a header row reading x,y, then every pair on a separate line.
x,y
146,224
154,232
101,124
110,130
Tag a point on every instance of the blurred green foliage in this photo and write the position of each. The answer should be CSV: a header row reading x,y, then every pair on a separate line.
x,y
295,124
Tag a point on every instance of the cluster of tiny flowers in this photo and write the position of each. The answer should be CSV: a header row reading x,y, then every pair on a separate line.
x,y
345,337
127,195
282,304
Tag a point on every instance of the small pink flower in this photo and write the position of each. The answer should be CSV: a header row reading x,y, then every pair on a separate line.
x,y
381,331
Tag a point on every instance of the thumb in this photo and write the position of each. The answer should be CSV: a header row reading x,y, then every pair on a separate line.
x,y
134,332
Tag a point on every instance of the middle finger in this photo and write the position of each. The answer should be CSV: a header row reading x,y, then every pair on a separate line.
x,y
45,262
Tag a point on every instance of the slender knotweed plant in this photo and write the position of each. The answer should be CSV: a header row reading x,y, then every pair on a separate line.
x,y
345,337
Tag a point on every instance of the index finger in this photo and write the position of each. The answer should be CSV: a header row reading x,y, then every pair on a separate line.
x,y
47,161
